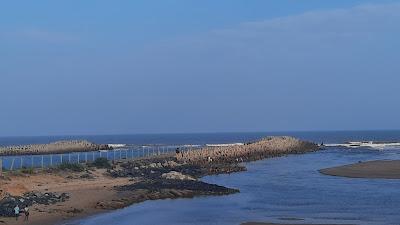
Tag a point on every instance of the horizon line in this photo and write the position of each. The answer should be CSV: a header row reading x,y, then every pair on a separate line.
x,y
201,132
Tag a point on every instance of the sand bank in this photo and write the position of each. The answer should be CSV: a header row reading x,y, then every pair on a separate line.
x,y
387,169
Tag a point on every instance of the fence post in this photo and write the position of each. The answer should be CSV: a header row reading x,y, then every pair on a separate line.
x,y
1,167
120,154
107,155
12,164
21,162
93,156
42,162
69,157
51,160
86,157
32,161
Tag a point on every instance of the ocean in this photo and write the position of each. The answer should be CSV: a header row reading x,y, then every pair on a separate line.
x,y
282,190
211,138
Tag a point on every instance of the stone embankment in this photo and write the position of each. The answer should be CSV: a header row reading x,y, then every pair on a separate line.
x,y
53,148
264,148
177,176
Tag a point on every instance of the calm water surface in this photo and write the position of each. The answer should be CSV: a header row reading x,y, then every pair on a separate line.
x,y
276,190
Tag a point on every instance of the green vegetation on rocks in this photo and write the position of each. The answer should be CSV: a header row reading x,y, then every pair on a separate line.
x,y
101,163
75,167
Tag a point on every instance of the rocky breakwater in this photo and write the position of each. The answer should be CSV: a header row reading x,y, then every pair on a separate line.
x,y
161,177
264,148
53,148
178,175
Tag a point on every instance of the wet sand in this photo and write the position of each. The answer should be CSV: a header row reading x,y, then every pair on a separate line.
x,y
384,169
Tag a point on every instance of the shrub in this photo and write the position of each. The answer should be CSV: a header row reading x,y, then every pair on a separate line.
x,y
27,170
76,167
101,163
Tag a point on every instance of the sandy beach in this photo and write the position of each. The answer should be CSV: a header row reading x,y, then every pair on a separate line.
x,y
387,169
84,195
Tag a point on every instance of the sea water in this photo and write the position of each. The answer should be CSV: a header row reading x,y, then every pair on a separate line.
x,y
210,138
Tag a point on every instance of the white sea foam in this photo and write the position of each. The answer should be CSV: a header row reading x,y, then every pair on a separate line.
x,y
367,144
224,145
116,145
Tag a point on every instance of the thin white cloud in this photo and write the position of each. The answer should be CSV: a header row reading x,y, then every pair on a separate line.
x,y
360,18
330,48
309,35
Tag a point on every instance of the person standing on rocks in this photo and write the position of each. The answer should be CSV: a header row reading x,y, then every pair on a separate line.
x,y
26,211
16,211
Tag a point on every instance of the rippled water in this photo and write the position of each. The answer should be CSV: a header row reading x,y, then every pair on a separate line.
x,y
276,190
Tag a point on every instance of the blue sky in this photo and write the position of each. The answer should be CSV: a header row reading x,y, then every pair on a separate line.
x,y
107,67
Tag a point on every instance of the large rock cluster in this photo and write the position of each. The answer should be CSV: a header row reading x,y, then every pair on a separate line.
x,y
8,203
264,148
170,176
173,175
55,147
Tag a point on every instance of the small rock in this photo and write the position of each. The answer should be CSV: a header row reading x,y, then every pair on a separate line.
x,y
176,176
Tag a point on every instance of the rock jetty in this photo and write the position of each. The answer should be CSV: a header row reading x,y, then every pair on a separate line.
x,y
53,148
264,148
178,175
